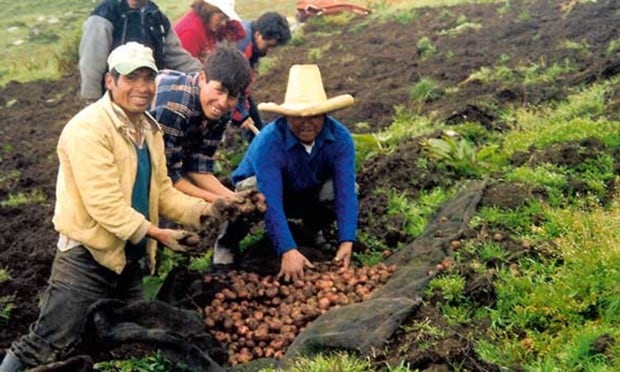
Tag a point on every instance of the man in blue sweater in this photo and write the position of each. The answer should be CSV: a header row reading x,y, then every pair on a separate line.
x,y
302,160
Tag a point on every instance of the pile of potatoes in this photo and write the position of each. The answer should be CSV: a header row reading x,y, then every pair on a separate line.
x,y
258,317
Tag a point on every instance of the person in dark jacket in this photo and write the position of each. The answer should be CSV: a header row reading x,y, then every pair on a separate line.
x,y
267,32
116,22
303,163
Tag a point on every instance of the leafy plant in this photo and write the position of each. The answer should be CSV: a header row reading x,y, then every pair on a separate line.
x,y
152,363
369,258
339,362
6,307
374,254
459,154
517,221
14,200
403,366
575,45
366,146
614,46
201,263
297,39
491,251
426,47
5,276
425,90
267,64
405,125
416,213
449,287
461,28
406,17
251,238
425,327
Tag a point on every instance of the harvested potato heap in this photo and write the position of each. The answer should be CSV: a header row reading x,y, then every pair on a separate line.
x,y
256,317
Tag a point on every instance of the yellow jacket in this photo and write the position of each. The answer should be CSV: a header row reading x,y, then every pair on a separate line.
x,y
96,174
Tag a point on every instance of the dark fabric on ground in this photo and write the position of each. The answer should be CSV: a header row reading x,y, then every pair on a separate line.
x,y
363,326
79,363
186,289
179,334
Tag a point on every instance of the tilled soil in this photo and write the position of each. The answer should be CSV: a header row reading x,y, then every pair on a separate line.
x,y
376,61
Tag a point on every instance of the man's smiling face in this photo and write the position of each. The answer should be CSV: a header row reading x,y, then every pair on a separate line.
x,y
215,100
133,92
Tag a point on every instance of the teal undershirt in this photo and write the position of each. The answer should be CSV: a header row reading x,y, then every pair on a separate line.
x,y
140,199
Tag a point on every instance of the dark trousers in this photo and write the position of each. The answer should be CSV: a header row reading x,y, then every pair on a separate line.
x,y
315,210
76,282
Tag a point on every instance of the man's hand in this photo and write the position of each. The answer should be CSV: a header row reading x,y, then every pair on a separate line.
x,y
248,124
293,264
343,255
229,208
258,200
179,240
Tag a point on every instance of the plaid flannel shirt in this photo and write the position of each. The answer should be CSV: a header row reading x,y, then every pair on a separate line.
x,y
190,138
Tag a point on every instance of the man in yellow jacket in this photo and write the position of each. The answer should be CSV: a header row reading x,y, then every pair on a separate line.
x,y
112,185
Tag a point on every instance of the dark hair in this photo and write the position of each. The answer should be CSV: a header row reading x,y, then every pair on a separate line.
x,y
115,74
230,67
204,10
273,26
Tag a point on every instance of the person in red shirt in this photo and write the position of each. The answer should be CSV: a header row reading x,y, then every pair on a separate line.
x,y
209,22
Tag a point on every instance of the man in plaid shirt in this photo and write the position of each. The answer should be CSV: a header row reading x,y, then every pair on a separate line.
x,y
194,111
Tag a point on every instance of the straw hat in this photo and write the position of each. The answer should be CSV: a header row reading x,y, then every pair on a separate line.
x,y
227,7
305,95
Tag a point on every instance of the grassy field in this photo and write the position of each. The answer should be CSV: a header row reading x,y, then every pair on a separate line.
x,y
39,35
40,38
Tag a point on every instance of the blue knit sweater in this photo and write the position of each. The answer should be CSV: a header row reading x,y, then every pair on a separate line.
x,y
283,167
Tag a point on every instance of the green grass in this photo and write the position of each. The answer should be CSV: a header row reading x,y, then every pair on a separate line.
x,y
533,73
6,307
563,307
405,125
579,117
15,200
426,47
340,362
154,363
425,90
266,64
614,46
416,212
449,287
5,276
32,34
461,28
